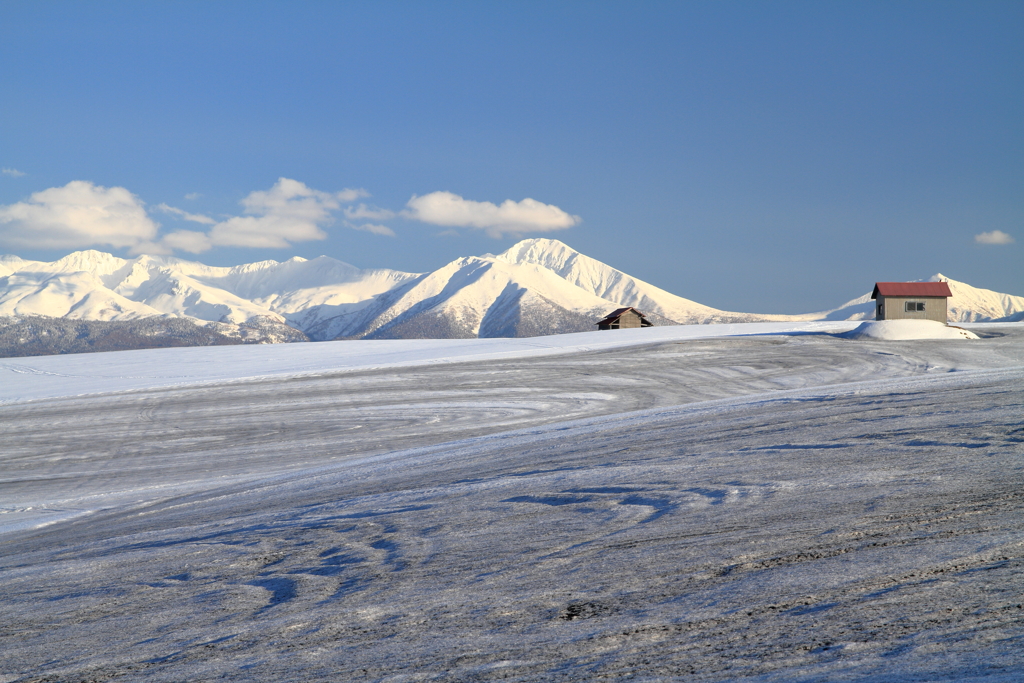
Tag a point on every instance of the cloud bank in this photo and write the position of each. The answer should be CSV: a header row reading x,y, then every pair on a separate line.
x,y
288,212
993,237
82,214
77,215
511,217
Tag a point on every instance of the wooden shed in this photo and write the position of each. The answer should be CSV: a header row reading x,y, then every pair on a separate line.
x,y
911,300
624,318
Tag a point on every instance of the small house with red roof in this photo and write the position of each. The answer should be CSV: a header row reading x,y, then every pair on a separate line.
x,y
624,318
911,300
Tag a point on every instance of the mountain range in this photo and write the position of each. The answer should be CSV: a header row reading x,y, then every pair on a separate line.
x,y
538,286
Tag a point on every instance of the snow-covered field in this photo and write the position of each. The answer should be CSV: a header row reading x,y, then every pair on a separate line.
x,y
765,502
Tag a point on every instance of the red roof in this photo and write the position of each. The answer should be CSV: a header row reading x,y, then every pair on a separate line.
x,y
911,289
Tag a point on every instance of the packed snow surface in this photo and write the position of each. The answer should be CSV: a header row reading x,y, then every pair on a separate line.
x,y
903,330
52,376
767,504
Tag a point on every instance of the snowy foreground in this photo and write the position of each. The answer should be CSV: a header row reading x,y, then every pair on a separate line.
x,y
768,502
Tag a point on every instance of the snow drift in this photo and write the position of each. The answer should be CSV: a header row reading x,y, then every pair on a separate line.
x,y
893,330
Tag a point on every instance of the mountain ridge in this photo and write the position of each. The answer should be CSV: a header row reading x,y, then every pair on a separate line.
x,y
537,286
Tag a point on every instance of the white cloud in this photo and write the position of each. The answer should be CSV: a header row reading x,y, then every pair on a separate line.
x,y
187,240
528,215
374,228
193,195
194,217
13,172
350,195
993,237
372,213
80,214
288,212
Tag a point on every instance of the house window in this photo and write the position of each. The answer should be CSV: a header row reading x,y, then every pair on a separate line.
x,y
912,306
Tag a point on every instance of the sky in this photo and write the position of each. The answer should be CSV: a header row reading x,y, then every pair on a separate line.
x,y
752,156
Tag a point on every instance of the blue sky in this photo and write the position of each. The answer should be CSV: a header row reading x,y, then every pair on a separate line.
x,y
755,156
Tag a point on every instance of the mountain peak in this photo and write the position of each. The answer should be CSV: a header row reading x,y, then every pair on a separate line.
x,y
541,251
256,266
537,285
89,260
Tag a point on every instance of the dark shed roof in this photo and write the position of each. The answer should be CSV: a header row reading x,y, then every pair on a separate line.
x,y
911,289
618,312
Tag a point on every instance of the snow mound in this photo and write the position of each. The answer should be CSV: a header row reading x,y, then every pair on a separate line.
x,y
894,330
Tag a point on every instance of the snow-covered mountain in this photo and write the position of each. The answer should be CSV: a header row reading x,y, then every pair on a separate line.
x,y
473,297
538,286
972,304
613,285
968,304
92,285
